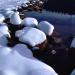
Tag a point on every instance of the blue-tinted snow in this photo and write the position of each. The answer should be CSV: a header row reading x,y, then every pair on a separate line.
x,y
10,3
12,62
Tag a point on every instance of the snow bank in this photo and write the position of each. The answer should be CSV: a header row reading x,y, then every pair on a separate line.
x,y
11,3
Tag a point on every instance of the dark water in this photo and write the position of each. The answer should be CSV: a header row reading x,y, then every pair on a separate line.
x,y
62,62
66,6
63,23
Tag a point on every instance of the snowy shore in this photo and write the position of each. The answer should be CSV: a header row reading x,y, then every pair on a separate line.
x,y
11,3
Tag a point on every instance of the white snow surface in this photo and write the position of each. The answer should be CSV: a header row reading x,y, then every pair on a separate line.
x,y
15,19
73,43
2,18
31,36
23,50
30,21
46,27
10,3
12,63
73,72
4,33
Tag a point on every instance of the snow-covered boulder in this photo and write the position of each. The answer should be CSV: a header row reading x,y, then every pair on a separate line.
x,y
24,5
2,18
46,27
31,36
12,63
73,72
15,19
19,33
23,50
9,13
4,33
73,43
4,30
29,21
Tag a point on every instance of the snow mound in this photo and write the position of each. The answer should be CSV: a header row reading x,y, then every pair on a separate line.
x,y
11,62
46,27
29,21
15,19
23,50
7,72
2,18
4,33
31,36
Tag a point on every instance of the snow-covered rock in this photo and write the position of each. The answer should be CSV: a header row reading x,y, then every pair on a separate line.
x,y
31,36
8,13
73,72
4,33
29,21
73,43
3,27
2,18
23,50
4,30
19,33
46,27
15,19
12,63
24,5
